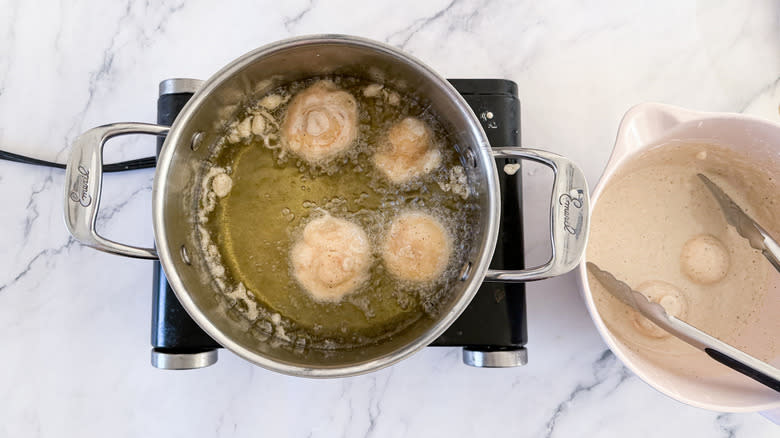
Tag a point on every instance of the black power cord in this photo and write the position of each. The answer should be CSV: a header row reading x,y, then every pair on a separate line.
x,y
140,163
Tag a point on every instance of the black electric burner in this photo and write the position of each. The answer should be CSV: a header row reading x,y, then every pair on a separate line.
x,y
492,329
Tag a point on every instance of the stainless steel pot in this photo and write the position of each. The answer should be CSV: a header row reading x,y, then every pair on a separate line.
x,y
188,144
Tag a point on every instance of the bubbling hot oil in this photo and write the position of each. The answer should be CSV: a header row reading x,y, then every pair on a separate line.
x,y
274,195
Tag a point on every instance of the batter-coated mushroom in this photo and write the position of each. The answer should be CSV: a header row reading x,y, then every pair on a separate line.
x,y
332,258
417,247
408,151
321,122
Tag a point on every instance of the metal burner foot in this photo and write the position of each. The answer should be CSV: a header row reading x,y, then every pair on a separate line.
x,y
503,358
167,360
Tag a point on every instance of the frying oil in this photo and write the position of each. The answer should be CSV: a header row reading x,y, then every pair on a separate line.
x,y
275,194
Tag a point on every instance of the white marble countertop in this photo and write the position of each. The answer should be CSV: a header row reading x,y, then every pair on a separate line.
x,y
74,322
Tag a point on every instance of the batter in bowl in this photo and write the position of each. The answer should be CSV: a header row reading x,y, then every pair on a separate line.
x,y
657,227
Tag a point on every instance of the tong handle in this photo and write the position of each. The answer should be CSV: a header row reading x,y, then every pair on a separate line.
x,y
743,368
724,353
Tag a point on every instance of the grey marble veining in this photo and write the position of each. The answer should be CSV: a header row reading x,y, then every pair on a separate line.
x,y
74,322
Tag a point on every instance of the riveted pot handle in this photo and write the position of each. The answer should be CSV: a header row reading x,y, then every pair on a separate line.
x,y
569,216
83,178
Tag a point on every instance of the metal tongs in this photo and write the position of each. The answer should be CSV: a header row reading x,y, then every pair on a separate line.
x,y
722,352
746,227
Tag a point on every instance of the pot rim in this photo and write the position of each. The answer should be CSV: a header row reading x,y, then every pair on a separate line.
x,y
478,270
621,153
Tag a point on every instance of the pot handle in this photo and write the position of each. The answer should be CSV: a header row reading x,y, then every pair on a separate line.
x,y
569,217
83,179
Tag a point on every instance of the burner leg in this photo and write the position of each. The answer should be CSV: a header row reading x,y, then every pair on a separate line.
x,y
166,360
178,343
499,358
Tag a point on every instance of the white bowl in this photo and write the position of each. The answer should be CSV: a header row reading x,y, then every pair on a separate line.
x,y
650,124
